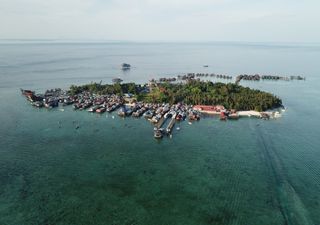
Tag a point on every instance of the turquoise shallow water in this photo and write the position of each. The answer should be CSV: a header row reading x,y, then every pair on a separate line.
x,y
112,171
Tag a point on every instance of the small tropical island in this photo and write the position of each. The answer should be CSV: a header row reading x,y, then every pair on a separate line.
x,y
163,103
192,92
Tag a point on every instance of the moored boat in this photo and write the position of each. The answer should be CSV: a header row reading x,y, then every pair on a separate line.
x,y
158,133
27,92
101,110
148,114
93,108
223,116
122,112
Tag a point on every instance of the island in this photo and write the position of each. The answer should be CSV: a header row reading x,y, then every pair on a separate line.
x,y
192,92
162,103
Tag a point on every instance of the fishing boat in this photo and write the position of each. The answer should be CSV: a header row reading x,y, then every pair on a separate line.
x,y
101,110
223,116
125,66
138,113
148,114
93,108
27,92
156,118
158,134
117,80
170,114
122,112
112,107
181,116
194,116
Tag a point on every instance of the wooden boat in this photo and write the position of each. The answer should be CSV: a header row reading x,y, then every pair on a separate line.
x,y
158,134
93,108
193,116
27,92
148,114
122,112
101,110
223,116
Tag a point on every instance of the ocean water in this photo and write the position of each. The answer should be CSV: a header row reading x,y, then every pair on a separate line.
x,y
112,171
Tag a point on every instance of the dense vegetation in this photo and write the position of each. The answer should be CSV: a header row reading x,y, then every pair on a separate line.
x,y
102,89
194,92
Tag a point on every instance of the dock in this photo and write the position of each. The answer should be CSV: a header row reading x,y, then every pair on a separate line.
x,y
171,125
160,123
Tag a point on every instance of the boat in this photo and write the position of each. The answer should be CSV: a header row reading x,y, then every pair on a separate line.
x,y
101,110
223,116
122,112
170,114
112,107
117,80
181,116
193,116
156,118
138,113
277,115
27,92
129,112
51,103
265,116
93,108
158,134
125,66
148,114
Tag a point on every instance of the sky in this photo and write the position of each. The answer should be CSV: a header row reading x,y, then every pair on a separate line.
x,y
162,20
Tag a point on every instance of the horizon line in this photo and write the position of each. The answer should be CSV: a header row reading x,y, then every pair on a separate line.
x,y
106,41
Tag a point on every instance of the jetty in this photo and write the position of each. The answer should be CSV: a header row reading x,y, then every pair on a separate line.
x,y
170,125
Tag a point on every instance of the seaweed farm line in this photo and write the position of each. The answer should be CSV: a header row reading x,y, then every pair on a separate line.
x,y
163,116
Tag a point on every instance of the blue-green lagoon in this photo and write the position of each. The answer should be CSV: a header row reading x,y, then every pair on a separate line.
x,y
112,171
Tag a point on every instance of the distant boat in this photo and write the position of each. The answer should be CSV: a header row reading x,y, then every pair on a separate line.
x,y
27,92
205,66
117,80
125,66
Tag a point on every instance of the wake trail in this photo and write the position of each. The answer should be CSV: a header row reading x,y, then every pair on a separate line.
x,y
290,204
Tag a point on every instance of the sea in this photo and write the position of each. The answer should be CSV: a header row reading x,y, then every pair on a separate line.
x,y
112,171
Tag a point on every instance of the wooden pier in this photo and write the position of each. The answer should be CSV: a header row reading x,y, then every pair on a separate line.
x,y
160,123
171,125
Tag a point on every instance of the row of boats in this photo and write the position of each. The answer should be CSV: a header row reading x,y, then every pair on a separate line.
x,y
157,114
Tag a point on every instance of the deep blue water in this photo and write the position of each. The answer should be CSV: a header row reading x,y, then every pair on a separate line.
x,y
112,171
